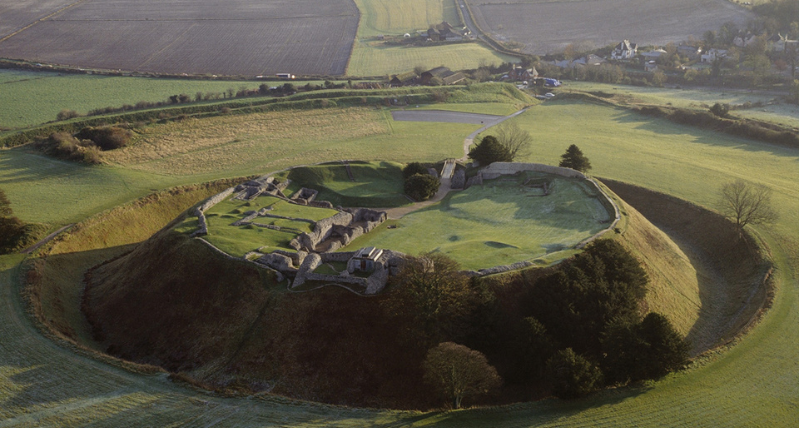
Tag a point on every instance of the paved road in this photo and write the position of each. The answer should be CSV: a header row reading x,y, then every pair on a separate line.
x,y
443,116
467,18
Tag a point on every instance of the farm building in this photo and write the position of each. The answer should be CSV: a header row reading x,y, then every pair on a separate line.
x,y
364,260
445,32
624,50
403,79
447,76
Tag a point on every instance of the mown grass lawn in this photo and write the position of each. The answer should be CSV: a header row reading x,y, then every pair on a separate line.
x,y
498,223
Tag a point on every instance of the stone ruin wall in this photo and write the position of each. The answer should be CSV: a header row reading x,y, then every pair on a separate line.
x,y
497,169
322,230
210,202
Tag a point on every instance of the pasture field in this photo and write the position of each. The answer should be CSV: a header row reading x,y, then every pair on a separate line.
x,y
246,144
238,240
371,58
499,223
33,97
773,109
752,384
374,59
398,17
545,26
238,37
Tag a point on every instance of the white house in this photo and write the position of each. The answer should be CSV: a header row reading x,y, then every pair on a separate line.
x,y
624,50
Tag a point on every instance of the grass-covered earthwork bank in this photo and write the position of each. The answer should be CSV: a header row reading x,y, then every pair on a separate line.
x,y
752,383
373,184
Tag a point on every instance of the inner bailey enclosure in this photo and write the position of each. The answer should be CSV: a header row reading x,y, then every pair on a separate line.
x,y
338,231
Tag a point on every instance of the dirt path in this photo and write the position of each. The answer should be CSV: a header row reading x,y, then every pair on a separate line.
x,y
46,239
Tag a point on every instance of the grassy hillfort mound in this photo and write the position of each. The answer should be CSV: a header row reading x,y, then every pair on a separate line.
x,y
316,345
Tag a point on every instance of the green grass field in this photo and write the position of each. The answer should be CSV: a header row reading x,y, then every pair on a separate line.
x,y
238,240
755,383
371,58
498,223
397,17
33,97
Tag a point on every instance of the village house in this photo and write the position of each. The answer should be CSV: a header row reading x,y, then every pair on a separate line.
x,y
519,73
744,40
713,54
624,50
691,52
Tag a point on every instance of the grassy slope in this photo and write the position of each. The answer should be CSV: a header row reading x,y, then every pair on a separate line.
x,y
727,390
371,58
496,224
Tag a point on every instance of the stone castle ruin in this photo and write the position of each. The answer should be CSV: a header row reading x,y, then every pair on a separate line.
x,y
315,248
367,269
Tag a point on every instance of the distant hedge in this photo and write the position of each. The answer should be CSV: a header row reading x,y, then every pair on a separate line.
x,y
304,100
756,130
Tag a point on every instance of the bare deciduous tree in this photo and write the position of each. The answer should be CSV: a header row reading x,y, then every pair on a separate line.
x,y
746,203
518,141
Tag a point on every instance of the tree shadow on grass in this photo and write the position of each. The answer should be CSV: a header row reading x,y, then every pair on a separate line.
x,y
703,136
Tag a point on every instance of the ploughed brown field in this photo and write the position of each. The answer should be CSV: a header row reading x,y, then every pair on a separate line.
x,y
545,26
234,37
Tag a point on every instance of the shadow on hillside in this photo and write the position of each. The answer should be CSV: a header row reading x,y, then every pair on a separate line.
x,y
730,270
29,165
701,135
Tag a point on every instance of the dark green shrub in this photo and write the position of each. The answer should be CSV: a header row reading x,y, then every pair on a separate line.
x,y
720,109
646,350
571,375
413,168
106,138
421,186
